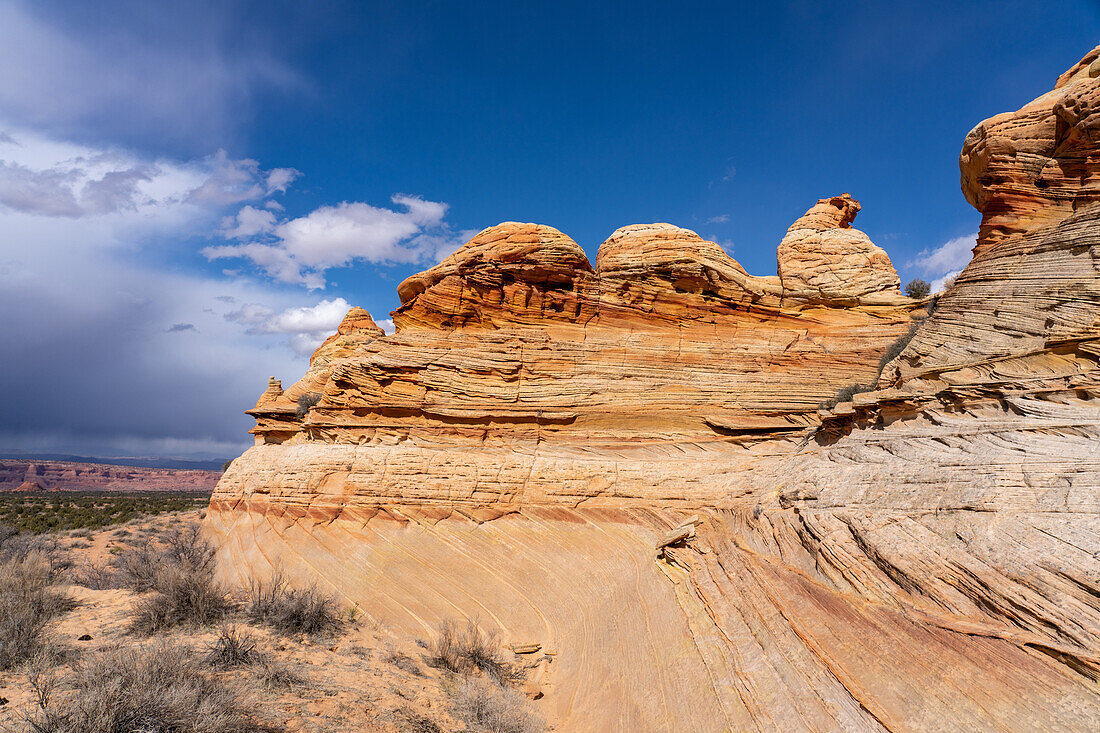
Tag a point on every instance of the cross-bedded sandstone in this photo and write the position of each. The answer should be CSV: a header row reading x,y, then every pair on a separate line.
x,y
922,557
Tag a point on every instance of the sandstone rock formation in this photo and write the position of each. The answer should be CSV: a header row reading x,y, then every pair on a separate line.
x,y
1035,166
38,475
824,258
626,464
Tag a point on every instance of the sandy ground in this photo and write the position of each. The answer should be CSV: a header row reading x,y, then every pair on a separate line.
x,y
363,678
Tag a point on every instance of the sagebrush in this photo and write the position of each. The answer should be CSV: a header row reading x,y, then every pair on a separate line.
x,y
180,576
487,707
159,689
469,649
292,610
27,605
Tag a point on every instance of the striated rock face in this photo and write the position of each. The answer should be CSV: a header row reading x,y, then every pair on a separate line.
x,y
40,475
1035,166
626,464
823,258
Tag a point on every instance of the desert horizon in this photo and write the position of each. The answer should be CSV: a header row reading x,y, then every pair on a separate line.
x,y
549,367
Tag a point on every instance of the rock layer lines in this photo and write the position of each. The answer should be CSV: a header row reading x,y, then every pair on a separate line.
x,y
626,463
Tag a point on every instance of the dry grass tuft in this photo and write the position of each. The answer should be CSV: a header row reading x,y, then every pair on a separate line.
x,y
27,604
292,611
160,689
472,649
403,662
234,648
410,721
274,675
487,707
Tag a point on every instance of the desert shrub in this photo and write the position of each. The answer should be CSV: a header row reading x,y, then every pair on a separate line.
x,y
894,350
917,289
469,650
95,576
226,465
290,610
181,578
161,689
234,648
138,568
16,546
305,402
27,604
183,595
490,708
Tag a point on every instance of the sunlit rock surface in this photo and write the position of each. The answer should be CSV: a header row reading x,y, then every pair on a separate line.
x,y
626,463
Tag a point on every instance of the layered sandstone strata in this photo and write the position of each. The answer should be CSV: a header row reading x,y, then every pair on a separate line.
x,y
625,463
39,475
1035,166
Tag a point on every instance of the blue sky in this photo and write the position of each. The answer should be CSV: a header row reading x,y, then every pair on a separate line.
x,y
189,197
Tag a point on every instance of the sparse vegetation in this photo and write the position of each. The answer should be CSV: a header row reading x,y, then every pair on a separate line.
x,y
305,402
27,604
234,648
845,394
894,350
484,698
37,512
291,610
917,289
181,578
95,683
410,721
491,708
404,662
471,649
161,688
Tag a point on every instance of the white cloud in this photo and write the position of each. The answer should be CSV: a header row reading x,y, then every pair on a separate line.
x,y
939,283
386,324
48,192
952,255
301,250
249,222
47,177
233,181
720,219
116,351
307,326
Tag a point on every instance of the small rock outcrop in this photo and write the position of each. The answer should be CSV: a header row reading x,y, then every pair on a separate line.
x,y
823,258
1035,166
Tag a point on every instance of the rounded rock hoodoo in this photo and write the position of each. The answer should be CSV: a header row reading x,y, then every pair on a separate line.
x,y
823,258
511,273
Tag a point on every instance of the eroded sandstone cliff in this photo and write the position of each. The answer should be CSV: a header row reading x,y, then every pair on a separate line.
x,y
39,475
626,463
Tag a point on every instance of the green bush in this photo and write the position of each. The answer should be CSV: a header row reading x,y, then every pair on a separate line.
x,y
917,289
305,402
